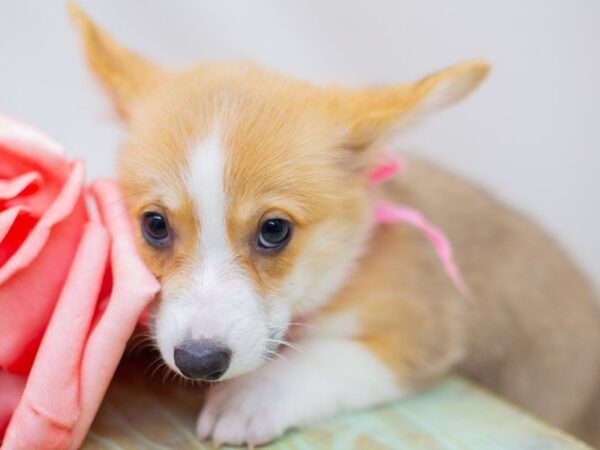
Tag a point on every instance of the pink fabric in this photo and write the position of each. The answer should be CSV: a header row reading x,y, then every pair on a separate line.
x,y
390,213
71,291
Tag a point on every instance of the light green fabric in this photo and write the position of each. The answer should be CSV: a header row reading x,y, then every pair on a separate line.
x,y
453,415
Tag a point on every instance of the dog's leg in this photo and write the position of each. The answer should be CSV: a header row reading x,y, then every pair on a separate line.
x,y
322,377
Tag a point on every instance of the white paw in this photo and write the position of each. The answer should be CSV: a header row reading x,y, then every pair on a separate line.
x,y
248,410
302,389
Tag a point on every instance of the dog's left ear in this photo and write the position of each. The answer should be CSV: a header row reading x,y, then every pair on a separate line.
x,y
374,113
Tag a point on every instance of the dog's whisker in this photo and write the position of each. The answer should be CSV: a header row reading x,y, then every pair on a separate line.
x,y
271,354
158,364
286,344
140,343
303,324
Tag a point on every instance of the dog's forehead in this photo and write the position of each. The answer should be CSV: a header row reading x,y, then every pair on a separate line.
x,y
227,175
231,145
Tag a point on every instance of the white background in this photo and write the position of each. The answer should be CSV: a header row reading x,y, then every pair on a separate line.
x,y
530,134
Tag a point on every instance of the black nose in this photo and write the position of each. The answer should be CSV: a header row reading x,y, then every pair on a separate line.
x,y
202,360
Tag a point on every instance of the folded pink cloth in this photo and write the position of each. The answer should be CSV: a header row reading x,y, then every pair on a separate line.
x,y
72,289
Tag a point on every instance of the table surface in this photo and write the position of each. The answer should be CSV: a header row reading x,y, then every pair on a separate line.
x,y
142,412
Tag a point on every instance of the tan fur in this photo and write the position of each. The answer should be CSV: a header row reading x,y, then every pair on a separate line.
x,y
124,74
530,329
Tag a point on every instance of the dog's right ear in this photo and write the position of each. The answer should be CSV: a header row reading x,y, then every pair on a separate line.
x,y
374,113
125,75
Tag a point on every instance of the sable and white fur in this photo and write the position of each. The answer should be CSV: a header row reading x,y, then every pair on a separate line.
x,y
370,312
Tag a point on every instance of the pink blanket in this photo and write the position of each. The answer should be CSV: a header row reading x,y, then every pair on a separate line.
x,y
71,291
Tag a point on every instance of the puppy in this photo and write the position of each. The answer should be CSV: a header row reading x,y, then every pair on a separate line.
x,y
249,192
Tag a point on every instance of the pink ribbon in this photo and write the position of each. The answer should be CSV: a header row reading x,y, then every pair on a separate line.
x,y
391,213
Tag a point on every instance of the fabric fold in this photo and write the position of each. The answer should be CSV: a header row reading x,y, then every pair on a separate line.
x,y
72,289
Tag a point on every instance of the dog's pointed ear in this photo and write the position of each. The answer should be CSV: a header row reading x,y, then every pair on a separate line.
x,y
124,74
374,113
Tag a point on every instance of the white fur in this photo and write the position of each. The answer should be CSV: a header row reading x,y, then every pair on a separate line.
x,y
323,377
306,289
205,184
214,299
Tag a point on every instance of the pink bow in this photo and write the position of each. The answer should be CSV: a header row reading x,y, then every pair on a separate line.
x,y
390,213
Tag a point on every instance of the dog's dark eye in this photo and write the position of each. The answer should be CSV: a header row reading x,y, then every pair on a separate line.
x,y
155,229
273,234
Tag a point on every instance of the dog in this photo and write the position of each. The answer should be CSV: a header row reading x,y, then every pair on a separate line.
x,y
250,196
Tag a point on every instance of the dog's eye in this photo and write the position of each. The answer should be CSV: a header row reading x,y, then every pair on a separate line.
x,y
155,229
274,233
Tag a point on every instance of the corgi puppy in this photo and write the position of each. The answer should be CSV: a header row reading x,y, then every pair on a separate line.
x,y
249,194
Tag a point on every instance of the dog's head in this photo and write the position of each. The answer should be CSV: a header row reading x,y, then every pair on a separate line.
x,y
248,192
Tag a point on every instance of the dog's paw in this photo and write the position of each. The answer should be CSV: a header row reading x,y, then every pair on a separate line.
x,y
249,410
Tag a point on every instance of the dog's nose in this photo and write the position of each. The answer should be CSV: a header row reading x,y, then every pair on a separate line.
x,y
202,360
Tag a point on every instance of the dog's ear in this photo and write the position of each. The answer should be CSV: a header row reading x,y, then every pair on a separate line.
x,y
125,75
373,113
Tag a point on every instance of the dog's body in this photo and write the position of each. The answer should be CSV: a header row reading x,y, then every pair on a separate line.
x,y
251,194
531,326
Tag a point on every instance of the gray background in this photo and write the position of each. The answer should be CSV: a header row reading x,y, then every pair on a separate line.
x,y
530,134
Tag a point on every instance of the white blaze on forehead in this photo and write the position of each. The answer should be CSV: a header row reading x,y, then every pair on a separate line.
x,y
205,184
